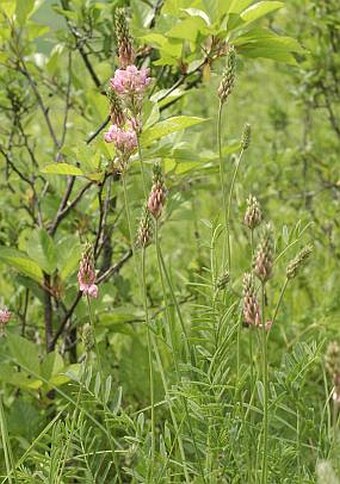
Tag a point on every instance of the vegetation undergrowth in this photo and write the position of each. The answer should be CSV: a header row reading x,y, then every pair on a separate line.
x,y
169,300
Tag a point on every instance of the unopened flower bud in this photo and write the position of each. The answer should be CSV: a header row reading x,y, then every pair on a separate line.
x,y
144,234
116,109
87,337
125,51
246,137
228,76
253,215
298,262
332,360
157,194
263,263
251,307
223,281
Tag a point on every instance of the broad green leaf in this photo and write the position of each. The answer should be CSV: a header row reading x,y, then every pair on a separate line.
x,y
10,375
196,12
154,39
25,353
40,247
36,30
69,252
237,6
223,7
8,7
21,262
264,43
62,169
174,7
170,125
23,10
52,365
188,29
258,10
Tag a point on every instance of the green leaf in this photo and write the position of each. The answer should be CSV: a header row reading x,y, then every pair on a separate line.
x,y
238,6
170,125
8,7
23,9
22,380
40,247
25,353
52,365
259,10
264,43
62,169
21,262
188,29
69,252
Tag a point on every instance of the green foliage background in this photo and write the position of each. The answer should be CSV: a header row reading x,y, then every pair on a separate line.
x,y
57,58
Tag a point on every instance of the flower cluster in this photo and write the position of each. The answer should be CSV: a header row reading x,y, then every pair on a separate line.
x,y
251,305
87,274
5,316
263,262
157,194
125,93
130,81
125,140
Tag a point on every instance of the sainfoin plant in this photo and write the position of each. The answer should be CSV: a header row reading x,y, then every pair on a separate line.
x,y
157,315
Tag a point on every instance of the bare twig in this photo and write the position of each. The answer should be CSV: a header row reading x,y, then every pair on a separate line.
x,y
63,203
115,268
67,100
98,130
48,312
63,212
41,103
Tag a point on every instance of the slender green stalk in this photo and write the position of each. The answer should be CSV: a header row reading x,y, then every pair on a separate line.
x,y
172,414
230,199
175,302
73,424
140,156
221,170
10,468
151,375
161,267
264,474
283,290
127,211
101,373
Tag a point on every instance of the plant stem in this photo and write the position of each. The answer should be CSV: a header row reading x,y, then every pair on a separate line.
x,y
140,156
172,414
10,468
221,170
283,290
175,302
161,267
101,373
265,389
151,375
230,199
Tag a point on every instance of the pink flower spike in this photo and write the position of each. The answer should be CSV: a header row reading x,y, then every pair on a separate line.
x,y
130,81
87,274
